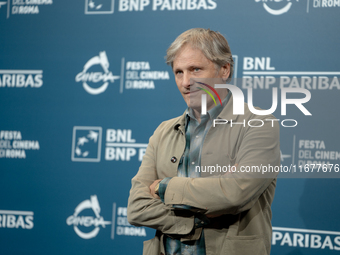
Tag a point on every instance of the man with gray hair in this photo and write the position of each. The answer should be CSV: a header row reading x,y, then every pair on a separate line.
x,y
194,211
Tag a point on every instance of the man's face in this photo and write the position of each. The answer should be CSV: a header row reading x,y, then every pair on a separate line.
x,y
191,65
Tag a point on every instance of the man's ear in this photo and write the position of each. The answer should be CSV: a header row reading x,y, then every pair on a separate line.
x,y
225,71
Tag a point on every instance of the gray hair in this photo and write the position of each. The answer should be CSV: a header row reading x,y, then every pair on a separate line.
x,y
212,44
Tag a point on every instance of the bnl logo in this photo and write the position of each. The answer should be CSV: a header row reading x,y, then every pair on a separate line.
x,y
99,6
86,144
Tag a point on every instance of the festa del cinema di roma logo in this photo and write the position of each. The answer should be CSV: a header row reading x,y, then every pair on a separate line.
x,y
102,78
88,227
238,102
87,221
276,11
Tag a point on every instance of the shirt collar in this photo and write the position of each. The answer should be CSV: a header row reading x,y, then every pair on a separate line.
x,y
212,113
225,113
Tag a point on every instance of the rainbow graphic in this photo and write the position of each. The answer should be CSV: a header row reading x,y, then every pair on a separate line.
x,y
208,92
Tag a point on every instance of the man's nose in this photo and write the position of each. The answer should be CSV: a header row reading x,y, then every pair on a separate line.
x,y
186,82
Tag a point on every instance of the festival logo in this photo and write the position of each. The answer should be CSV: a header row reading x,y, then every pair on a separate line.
x,y
139,75
95,78
119,224
12,145
123,226
87,221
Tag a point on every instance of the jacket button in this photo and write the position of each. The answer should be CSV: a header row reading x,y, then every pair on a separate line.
x,y
173,159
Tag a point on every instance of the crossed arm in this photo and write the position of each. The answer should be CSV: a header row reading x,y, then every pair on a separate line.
x,y
212,196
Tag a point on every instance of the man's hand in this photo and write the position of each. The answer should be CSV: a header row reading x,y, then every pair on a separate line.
x,y
152,188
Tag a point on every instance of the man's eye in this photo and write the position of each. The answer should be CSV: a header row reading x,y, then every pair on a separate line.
x,y
196,69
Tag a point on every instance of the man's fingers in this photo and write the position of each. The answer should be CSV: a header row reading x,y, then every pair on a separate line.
x,y
152,188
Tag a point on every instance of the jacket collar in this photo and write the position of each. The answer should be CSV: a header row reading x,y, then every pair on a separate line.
x,y
180,123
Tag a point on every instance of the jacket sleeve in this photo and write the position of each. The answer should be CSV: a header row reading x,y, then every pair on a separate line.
x,y
235,192
144,210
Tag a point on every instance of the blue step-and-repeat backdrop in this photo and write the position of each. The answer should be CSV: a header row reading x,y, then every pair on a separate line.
x,y
83,85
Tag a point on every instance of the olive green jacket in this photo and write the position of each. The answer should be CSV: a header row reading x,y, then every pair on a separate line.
x,y
243,199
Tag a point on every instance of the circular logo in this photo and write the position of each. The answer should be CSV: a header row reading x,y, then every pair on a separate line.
x,y
96,77
87,221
